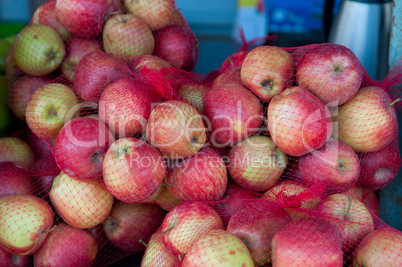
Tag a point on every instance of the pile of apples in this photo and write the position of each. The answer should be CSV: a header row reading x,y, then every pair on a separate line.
x,y
275,158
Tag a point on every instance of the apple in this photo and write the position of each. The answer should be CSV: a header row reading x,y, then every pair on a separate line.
x,y
126,35
155,13
156,253
80,203
202,177
232,76
166,200
131,224
193,93
38,50
370,200
307,242
81,146
95,71
267,71
256,163
178,18
368,121
296,198
125,106
298,121
218,247
11,260
349,216
178,45
84,18
331,72
13,73
15,180
176,129
5,45
132,170
335,165
255,224
234,61
186,223
356,192
77,48
66,246
233,114
45,14
149,61
21,91
16,150
25,221
48,109
379,168
381,247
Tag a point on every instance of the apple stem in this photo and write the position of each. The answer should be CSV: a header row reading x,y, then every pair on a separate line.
x,y
395,101
181,256
167,184
349,205
231,61
142,242
197,45
51,229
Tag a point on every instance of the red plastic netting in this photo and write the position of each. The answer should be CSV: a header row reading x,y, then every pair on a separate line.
x,y
276,158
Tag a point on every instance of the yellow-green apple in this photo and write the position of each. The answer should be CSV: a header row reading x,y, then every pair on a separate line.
x,y
77,48
149,61
38,50
44,161
132,32
132,170
45,14
157,254
21,91
307,242
218,247
370,200
81,146
25,221
48,109
267,71
379,168
233,113
193,93
166,200
130,224
294,197
335,165
298,121
155,13
11,260
66,246
13,73
16,150
178,45
382,247
256,163
80,203
234,61
331,72
255,224
176,129
84,18
15,180
202,177
125,106
368,121
349,216
95,71
186,223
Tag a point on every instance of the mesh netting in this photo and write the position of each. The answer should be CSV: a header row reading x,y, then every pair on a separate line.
x,y
275,158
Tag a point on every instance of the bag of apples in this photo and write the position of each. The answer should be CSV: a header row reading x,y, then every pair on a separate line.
x,y
275,158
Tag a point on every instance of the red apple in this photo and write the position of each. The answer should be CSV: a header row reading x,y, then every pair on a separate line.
x,y
84,18
298,121
255,224
202,177
178,45
44,161
193,93
81,146
267,71
95,71
66,246
232,76
11,260
16,150
370,200
233,114
132,170
166,200
307,242
186,223
128,225
380,168
234,61
149,61
331,72
368,121
355,192
334,165
15,180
